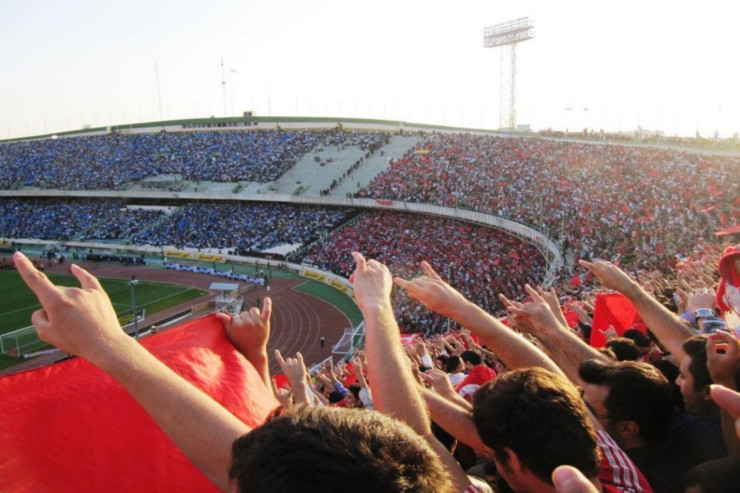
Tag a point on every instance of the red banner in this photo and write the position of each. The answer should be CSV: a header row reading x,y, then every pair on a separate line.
x,y
69,427
613,310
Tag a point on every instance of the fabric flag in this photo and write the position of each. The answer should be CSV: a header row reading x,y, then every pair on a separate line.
x,y
616,310
69,427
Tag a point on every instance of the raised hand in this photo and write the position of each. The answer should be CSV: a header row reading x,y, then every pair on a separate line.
x,y
293,368
723,357
537,312
610,275
249,331
432,292
439,381
79,321
610,333
284,396
372,283
702,297
551,298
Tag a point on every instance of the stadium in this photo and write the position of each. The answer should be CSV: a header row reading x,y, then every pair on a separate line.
x,y
191,224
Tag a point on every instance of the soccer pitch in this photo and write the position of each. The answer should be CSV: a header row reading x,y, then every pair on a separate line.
x,y
17,302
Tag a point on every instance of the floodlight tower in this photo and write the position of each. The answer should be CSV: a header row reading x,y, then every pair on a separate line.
x,y
508,34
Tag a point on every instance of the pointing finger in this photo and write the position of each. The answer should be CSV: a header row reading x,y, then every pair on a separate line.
x,y
280,360
266,310
403,283
429,271
87,280
35,279
359,260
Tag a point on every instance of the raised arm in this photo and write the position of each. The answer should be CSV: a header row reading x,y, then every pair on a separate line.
x,y
513,349
393,386
566,349
82,322
667,327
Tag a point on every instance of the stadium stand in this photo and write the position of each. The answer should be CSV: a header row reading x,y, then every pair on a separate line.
x,y
673,287
600,200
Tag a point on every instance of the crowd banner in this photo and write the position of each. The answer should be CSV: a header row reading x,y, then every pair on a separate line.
x,y
209,257
177,254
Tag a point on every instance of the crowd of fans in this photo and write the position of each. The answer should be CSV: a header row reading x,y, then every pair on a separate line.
x,y
483,261
241,227
113,161
244,227
52,219
644,204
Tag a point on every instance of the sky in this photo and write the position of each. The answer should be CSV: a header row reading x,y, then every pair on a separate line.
x,y
662,65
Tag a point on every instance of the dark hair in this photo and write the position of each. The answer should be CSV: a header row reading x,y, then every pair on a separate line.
x,y
335,396
637,392
471,357
696,348
637,337
624,349
671,372
452,363
714,475
320,450
540,416
355,389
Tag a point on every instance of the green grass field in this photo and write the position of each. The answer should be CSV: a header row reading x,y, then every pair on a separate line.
x,y
17,302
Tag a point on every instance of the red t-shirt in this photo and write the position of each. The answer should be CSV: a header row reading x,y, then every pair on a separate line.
x,y
476,377
617,472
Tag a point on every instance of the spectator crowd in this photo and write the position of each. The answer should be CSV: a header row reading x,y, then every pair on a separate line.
x,y
483,261
113,161
241,227
644,204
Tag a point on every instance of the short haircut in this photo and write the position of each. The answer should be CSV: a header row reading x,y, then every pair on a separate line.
x,y
355,389
471,357
311,449
452,363
696,348
637,392
637,337
540,416
714,475
624,349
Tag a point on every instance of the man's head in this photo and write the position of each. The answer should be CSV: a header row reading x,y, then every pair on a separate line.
x,y
471,359
631,400
323,449
454,364
533,421
694,378
624,349
642,341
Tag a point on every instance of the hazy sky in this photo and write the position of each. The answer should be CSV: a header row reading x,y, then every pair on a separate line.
x,y
659,64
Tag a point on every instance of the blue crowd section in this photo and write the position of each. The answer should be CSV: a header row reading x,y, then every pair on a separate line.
x,y
109,162
242,227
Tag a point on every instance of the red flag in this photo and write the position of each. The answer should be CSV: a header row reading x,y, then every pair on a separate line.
x,y
615,310
69,427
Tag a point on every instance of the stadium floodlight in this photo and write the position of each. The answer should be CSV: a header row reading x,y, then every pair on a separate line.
x,y
502,35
